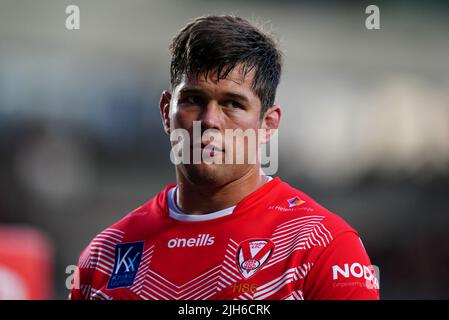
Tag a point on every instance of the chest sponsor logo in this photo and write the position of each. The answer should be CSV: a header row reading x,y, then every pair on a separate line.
x,y
199,241
126,264
252,254
294,202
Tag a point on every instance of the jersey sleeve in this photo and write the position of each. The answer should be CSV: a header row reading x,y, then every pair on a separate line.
x,y
342,271
81,283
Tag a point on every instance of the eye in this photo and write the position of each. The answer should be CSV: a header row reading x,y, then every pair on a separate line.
x,y
233,104
191,100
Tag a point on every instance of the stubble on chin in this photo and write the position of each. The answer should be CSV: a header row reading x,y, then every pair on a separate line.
x,y
205,174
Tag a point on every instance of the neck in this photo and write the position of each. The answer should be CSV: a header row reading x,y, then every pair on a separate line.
x,y
202,198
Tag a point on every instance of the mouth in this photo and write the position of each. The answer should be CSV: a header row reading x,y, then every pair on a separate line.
x,y
211,147
211,151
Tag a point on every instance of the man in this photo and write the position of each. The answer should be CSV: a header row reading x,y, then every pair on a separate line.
x,y
225,230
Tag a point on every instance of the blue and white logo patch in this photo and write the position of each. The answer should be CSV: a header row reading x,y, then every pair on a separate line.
x,y
126,264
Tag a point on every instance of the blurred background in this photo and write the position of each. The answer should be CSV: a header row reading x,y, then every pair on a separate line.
x,y
365,128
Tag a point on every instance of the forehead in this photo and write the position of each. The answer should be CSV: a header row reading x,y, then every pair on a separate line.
x,y
236,81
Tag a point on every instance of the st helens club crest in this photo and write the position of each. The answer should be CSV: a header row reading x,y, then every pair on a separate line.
x,y
252,255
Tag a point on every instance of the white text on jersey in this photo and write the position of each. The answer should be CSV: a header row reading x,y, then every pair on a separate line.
x,y
200,241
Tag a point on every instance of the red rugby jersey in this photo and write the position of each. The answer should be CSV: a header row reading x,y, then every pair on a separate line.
x,y
278,243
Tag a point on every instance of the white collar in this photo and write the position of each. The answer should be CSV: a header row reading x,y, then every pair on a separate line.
x,y
177,214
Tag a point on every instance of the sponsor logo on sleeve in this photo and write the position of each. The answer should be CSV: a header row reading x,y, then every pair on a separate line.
x,y
370,274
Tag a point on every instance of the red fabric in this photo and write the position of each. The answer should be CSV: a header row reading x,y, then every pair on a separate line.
x,y
342,272
277,244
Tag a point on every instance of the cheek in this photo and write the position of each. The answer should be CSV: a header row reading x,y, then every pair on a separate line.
x,y
183,119
250,124
247,134
243,120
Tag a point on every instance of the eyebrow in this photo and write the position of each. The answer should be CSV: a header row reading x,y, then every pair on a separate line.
x,y
191,90
200,91
236,96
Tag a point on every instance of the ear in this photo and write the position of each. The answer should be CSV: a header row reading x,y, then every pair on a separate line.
x,y
164,108
270,122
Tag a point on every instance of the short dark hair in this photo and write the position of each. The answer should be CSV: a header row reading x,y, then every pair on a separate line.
x,y
218,44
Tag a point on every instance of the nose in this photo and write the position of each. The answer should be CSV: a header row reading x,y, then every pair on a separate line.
x,y
211,116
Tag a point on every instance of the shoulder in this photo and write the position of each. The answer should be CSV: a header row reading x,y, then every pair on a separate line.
x,y
133,225
299,206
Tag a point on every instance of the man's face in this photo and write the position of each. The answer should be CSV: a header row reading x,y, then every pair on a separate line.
x,y
223,106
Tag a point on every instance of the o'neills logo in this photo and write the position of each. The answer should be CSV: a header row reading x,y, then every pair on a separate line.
x,y
252,254
200,241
